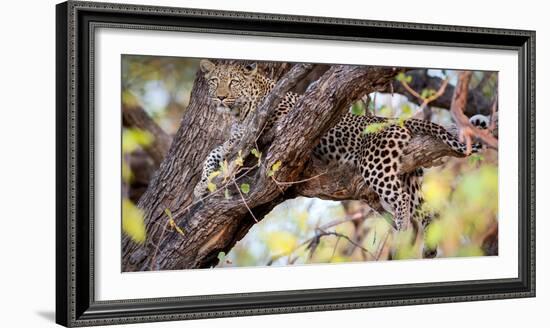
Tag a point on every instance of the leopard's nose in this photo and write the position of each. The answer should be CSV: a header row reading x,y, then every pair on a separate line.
x,y
221,98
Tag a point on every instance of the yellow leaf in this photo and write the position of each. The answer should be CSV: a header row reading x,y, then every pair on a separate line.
x,y
133,138
436,192
172,223
132,221
275,167
127,175
211,187
434,234
225,168
239,161
213,175
281,242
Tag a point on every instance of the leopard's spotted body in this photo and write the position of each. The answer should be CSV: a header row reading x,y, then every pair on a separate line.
x,y
238,89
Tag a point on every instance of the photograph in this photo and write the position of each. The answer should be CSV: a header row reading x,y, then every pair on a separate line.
x,y
405,169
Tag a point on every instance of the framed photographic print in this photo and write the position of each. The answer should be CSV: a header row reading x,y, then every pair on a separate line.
x,y
214,163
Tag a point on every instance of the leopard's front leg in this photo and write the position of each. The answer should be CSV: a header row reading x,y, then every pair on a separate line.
x,y
215,158
211,163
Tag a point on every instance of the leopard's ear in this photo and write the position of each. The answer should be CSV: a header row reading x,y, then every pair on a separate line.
x,y
207,66
251,69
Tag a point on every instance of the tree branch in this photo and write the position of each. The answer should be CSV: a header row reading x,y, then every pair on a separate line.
x,y
476,103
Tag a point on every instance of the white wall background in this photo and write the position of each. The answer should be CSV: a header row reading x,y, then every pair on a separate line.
x,y
27,179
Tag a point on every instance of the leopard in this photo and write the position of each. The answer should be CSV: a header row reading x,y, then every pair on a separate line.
x,y
238,89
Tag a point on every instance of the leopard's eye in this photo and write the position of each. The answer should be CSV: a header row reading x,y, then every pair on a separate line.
x,y
234,82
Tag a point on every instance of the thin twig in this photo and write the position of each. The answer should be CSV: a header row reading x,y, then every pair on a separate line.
x,y
354,217
337,234
154,257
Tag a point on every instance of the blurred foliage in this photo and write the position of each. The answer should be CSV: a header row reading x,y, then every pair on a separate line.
x,y
132,221
132,217
162,85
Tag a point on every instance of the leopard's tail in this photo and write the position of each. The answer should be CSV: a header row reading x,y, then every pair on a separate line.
x,y
422,127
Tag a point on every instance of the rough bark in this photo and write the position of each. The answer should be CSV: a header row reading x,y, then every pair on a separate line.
x,y
215,224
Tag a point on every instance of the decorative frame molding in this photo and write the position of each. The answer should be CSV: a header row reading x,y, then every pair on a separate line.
x,y
75,30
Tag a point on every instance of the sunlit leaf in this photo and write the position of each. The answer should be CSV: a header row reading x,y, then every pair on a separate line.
x,y
281,242
213,175
256,153
172,223
127,175
402,77
436,192
132,221
239,161
375,127
224,167
133,139
275,167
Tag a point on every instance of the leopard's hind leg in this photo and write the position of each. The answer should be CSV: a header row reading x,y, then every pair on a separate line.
x,y
421,216
379,166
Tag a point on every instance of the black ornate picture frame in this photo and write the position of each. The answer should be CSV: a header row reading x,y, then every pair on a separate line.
x,y
76,25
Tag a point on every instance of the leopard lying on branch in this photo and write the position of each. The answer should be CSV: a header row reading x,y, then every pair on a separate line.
x,y
239,89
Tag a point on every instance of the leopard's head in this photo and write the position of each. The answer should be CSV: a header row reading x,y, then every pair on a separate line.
x,y
231,87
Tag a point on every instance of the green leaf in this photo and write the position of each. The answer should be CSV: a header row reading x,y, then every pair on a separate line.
x,y
256,153
374,128
245,188
358,108
475,159
221,256
132,221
